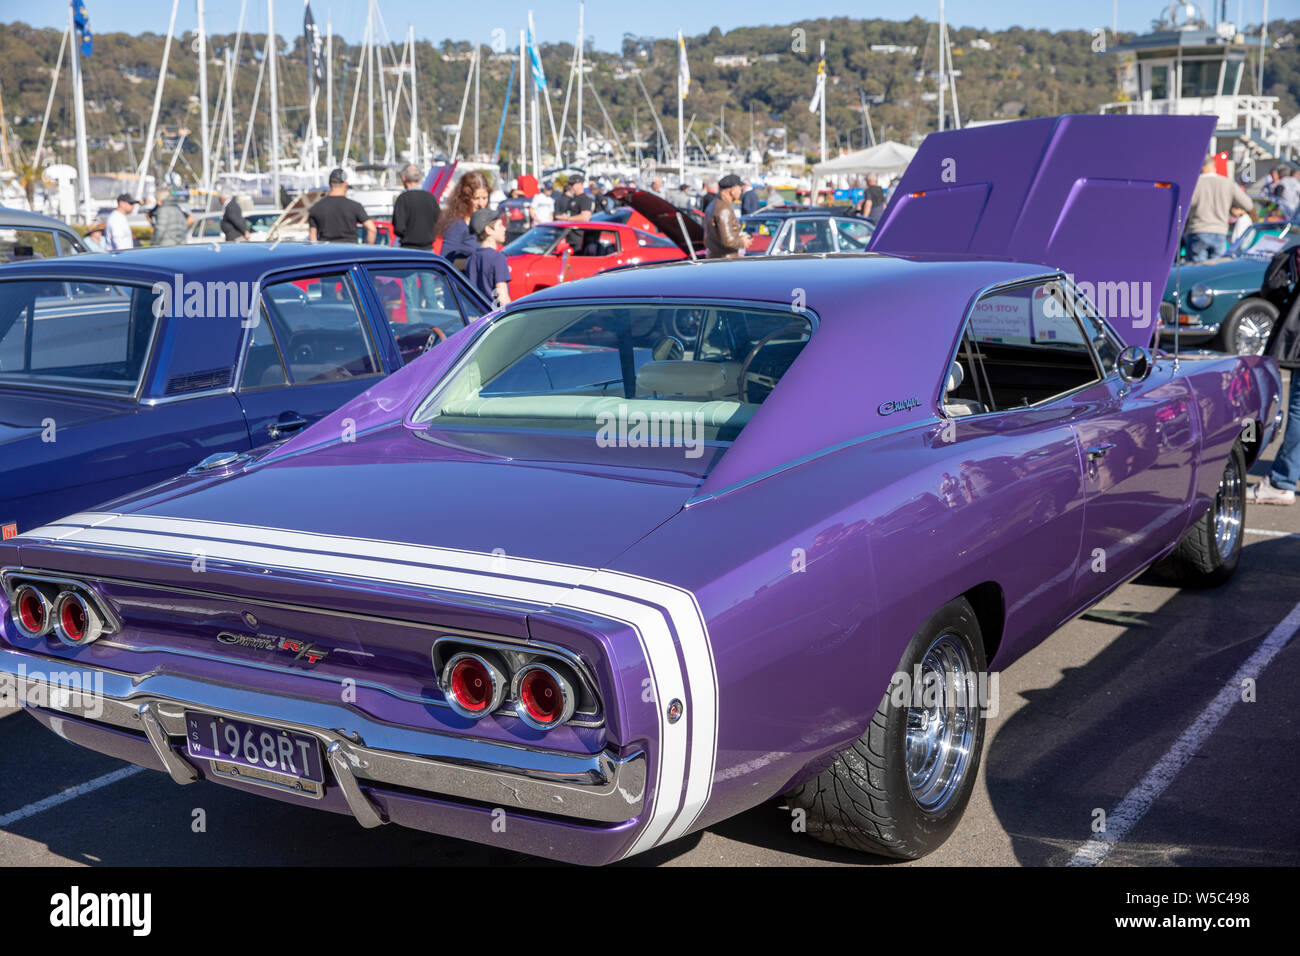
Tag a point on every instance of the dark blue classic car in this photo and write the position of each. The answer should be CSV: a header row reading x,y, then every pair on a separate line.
x,y
119,370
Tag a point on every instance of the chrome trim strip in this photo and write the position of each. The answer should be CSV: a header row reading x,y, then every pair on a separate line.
x,y
599,788
186,396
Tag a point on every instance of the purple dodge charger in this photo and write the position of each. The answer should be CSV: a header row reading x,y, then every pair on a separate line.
x,y
570,573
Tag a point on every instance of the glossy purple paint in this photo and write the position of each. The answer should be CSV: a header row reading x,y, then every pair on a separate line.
x,y
792,570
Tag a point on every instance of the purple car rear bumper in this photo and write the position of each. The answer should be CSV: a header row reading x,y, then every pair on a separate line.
x,y
578,808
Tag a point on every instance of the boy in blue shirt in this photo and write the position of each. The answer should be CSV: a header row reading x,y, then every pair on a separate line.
x,y
487,268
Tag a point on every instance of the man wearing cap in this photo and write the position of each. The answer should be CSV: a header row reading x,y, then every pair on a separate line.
x,y
118,230
94,238
580,204
334,218
723,236
415,212
487,268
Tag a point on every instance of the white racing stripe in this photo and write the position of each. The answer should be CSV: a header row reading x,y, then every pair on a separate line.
x,y
1121,820
72,793
652,609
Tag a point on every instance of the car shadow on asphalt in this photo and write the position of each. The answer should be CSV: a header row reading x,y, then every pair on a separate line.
x,y
1081,744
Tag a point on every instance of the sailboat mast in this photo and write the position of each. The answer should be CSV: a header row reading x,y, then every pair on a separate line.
x,y
523,107
370,84
329,92
940,65
579,141
275,104
203,96
79,102
478,77
415,109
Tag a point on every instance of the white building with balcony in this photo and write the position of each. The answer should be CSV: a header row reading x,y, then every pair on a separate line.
x,y
1188,67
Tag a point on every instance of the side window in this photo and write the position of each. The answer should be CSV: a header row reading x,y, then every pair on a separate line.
x,y
211,228
1022,346
1103,340
420,306
20,244
263,364
853,234
319,325
812,235
68,246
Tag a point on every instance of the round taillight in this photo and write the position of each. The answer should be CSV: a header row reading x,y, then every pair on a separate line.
x,y
543,698
33,611
473,685
75,622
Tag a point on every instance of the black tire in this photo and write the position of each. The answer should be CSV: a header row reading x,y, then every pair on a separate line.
x,y
1201,559
864,799
1254,312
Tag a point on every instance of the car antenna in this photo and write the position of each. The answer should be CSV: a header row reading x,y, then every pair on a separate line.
x,y
690,246
1178,290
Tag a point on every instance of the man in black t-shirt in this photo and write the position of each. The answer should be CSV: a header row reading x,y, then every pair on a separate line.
x,y
415,213
334,218
580,204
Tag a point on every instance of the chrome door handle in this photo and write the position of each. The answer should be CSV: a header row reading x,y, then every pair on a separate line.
x,y
276,429
1099,450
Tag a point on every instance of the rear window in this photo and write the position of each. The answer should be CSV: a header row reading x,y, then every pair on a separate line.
x,y
638,371
75,334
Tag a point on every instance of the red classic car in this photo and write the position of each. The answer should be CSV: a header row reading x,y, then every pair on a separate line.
x,y
562,251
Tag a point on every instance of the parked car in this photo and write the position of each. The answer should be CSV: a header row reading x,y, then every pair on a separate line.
x,y
562,251
106,388
618,611
29,235
207,226
779,233
1221,304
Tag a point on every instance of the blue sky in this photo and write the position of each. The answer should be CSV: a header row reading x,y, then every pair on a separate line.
x,y
607,20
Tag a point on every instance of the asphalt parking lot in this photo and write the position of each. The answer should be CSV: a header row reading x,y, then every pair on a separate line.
x,y
1134,709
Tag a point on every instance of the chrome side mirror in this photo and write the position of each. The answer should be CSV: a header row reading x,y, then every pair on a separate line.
x,y
1135,363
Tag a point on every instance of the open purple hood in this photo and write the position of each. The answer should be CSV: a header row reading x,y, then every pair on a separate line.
x,y
1103,198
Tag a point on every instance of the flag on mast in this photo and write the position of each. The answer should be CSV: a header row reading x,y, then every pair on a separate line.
x,y
683,68
81,20
314,46
534,57
819,94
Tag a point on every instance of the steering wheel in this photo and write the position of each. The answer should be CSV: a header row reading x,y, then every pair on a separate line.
x,y
436,335
766,381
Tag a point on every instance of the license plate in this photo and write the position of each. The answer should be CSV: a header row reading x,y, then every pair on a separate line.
x,y
281,752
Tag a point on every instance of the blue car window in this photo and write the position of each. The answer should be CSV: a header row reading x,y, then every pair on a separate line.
x,y
320,328
420,306
263,365
75,335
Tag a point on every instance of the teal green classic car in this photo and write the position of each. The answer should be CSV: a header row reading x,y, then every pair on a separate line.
x,y
1221,303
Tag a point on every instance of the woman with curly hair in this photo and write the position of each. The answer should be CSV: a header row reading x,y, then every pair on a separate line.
x,y
471,194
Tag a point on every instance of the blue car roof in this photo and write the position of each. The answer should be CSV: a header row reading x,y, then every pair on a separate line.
x,y
197,260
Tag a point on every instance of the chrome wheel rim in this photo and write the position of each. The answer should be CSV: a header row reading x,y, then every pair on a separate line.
x,y
941,723
1229,509
1253,330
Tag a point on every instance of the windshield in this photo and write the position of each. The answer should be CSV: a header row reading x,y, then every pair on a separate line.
x,y
75,334
537,241
646,372
1264,240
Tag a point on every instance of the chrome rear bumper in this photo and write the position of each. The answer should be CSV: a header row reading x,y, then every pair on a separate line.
x,y
601,788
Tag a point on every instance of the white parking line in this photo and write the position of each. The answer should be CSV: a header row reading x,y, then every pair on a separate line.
x,y
1272,534
1139,800
40,806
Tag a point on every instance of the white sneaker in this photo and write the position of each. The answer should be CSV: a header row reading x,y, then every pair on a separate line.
x,y
1265,493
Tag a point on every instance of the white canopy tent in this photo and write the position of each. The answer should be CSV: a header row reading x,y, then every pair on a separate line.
x,y
886,159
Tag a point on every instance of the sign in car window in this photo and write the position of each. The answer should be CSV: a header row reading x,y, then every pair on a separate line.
x,y
1027,316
